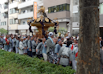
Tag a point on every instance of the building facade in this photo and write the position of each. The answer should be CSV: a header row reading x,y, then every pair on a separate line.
x,y
75,17
13,16
26,11
101,18
4,15
59,9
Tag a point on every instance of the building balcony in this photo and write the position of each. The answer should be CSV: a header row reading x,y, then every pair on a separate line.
x,y
15,15
23,27
29,3
25,4
75,8
5,16
25,15
4,10
5,1
13,5
13,26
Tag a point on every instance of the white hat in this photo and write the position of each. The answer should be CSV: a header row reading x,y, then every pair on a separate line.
x,y
50,33
67,37
68,31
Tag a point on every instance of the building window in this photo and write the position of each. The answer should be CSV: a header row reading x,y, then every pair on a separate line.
x,y
58,8
14,10
23,22
3,23
101,8
31,10
67,7
13,21
64,7
24,11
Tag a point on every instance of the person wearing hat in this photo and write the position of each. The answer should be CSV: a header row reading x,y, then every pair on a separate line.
x,y
21,47
69,35
50,46
58,46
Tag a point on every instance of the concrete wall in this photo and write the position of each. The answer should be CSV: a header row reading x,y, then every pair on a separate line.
x,y
101,1
12,32
13,26
101,20
49,3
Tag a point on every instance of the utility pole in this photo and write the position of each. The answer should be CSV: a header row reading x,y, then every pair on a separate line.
x,y
8,19
88,61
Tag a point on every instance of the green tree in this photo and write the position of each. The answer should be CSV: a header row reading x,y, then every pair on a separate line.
x,y
3,31
63,31
51,29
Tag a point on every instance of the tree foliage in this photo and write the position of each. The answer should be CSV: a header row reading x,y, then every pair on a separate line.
x,y
60,30
3,31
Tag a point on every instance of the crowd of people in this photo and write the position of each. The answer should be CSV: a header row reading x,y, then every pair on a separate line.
x,y
56,50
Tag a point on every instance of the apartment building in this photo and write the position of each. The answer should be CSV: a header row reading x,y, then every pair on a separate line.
x,y
75,17
4,14
13,16
26,11
59,9
101,17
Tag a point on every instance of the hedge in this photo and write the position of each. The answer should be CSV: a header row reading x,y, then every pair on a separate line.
x,y
11,63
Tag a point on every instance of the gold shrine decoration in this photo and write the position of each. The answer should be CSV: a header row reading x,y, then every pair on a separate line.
x,y
42,9
46,19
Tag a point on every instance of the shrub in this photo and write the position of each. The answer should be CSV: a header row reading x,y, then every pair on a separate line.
x,y
11,63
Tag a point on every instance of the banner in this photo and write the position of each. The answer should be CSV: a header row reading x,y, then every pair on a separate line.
x,y
35,10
